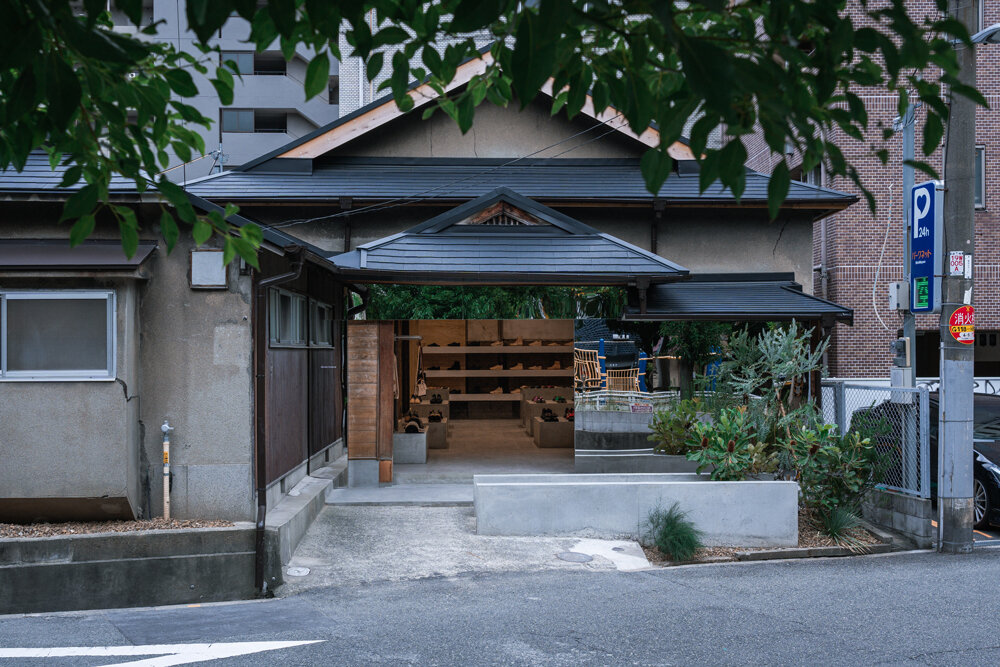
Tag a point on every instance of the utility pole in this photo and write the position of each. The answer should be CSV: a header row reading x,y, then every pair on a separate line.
x,y
956,393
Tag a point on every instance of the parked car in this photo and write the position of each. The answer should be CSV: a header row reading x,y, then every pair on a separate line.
x,y
883,424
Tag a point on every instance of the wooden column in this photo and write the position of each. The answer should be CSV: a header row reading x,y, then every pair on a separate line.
x,y
370,409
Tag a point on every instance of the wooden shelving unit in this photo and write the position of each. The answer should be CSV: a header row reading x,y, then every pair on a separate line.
x,y
498,349
486,373
484,398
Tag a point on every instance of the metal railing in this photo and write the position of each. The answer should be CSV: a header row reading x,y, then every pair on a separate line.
x,y
896,420
623,401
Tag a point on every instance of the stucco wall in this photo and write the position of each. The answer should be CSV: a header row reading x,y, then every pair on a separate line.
x,y
197,374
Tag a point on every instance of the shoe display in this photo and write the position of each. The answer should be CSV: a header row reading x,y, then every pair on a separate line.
x,y
434,368
558,399
498,367
436,399
537,399
413,423
455,367
554,342
536,368
518,341
433,345
555,366
516,391
454,344
549,416
496,343
517,367
569,414
415,399
498,390
535,343
434,416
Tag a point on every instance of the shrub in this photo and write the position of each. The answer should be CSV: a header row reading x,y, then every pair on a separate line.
x,y
834,471
670,426
673,533
839,525
729,447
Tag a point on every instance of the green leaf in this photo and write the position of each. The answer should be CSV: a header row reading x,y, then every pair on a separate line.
x,y
534,54
374,66
777,188
80,203
252,233
169,230
389,35
201,231
933,131
128,227
225,90
82,228
181,82
317,75
471,15
62,88
656,166
71,177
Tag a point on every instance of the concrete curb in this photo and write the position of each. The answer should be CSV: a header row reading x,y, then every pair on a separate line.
x,y
287,522
811,552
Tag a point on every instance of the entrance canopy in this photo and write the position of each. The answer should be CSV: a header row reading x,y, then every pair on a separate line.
x,y
736,297
503,238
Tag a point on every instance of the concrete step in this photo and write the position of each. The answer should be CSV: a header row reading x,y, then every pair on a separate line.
x,y
422,495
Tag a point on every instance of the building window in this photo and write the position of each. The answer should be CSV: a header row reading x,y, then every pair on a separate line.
x,y
333,90
57,335
287,318
251,120
241,62
980,177
320,324
248,62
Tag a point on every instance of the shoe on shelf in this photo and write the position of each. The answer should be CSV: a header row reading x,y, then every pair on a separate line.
x,y
454,391
558,399
518,341
536,368
455,367
498,390
553,342
498,367
415,399
549,416
436,399
434,368
454,344
569,414
535,343
537,399
517,367
434,416
555,366
433,345
517,390
496,343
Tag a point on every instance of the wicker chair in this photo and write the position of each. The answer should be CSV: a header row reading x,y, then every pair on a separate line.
x,y
624,379
586,370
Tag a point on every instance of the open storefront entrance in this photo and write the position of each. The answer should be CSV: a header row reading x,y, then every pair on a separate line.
x,y
451,398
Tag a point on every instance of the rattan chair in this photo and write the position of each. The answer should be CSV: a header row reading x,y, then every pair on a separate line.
x,y
623,379
586,370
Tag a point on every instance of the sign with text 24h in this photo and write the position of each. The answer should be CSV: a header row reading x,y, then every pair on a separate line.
x,y
926,246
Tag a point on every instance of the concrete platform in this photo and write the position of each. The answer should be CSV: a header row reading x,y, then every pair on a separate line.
x,y
422,495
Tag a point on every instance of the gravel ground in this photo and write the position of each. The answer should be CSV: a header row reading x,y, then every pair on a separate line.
x,y
89,527
809,536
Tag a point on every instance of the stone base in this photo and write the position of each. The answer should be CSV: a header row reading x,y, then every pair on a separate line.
x,y
409,447
557,434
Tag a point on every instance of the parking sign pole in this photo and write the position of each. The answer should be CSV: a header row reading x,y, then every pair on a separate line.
x,y
956,400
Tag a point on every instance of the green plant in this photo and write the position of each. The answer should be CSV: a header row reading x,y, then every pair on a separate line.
x,y
670,426
729,447
673,533
834,471
840,525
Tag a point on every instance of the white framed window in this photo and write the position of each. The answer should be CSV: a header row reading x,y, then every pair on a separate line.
x,y
320,324
57,335
980,177
287,318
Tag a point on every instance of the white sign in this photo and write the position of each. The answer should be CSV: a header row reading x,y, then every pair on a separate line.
x,y
956,263
169,654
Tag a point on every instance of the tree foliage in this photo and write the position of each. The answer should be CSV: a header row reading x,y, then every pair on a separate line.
x,y
787,69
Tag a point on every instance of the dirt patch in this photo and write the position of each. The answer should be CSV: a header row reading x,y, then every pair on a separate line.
x,y
91,527
809,537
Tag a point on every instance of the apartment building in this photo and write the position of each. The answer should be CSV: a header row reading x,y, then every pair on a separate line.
x,y
857,253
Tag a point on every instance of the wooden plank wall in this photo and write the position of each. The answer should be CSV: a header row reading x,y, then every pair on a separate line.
x,y
370,410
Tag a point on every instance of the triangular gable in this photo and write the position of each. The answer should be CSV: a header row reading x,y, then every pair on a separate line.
x,y
553,249
384,110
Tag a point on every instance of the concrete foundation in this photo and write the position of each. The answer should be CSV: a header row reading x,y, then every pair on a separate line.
x,y
629,461
748,513
903,514
409,447
557,434
362,472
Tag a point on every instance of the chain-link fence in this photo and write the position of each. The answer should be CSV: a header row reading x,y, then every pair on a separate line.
x,y
896,420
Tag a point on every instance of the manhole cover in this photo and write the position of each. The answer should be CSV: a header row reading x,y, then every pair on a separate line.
x,y
574,557
297,571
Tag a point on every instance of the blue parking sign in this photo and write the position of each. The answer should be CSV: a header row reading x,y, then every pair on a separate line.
x,y
926,246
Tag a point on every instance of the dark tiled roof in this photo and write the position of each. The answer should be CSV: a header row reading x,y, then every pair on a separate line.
x,y
737,300
39,177
37,254
450,179
560,247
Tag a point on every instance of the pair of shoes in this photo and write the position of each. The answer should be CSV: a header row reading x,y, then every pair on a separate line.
x,y
517,367
558,399
535,343
569,414
549,416
434,368
498,367
413,423
435,416
436,399
555,366
433,345
496,343
537,399
454,344
415,399
455,367
498,390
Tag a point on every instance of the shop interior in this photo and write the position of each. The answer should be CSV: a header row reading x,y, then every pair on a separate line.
x,y
483,396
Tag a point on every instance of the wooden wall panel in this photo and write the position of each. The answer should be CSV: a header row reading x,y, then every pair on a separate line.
x,y
287,410
362,388
324,385
385,386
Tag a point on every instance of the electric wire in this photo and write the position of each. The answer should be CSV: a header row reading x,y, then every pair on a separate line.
x,y
878,267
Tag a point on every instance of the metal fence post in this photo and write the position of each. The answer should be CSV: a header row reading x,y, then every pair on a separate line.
x,y
925,443
840,406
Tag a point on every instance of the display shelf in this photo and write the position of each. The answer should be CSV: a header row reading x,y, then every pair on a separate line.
x,y
486,373
484,398
499,349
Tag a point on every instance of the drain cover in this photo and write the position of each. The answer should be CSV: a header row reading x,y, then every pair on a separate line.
x,y
297,571
574,557
618,549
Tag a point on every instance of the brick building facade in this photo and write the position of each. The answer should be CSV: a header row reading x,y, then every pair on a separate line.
x,y
857,251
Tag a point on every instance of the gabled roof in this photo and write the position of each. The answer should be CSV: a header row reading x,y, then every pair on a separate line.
x,y
459,179
504,238
737,297
383,110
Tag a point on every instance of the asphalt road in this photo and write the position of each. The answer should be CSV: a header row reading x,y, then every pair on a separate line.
x,y
916,608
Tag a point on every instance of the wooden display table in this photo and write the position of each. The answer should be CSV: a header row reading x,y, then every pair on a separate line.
x,y
557,434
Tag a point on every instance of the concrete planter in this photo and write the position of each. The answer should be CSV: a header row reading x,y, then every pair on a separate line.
x,y
748,513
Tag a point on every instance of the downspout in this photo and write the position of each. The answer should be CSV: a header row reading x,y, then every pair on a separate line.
x,y
260,411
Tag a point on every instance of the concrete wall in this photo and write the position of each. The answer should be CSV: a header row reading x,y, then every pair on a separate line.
x,y
71,448
197,373
904,514
748,513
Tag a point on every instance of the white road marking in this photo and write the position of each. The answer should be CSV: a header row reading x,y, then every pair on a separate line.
x,y
629,555
169,654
